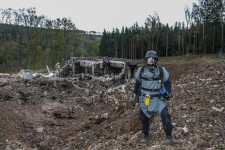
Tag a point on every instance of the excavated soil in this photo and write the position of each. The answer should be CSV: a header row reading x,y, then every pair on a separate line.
x,y
63,114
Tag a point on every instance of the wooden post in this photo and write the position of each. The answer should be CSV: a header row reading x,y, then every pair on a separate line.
x,y
135,70
85,70
105,68
128,73
73,69
93,69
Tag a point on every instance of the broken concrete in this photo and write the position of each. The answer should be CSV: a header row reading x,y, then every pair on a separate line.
x,y
99,67
4,75
24,74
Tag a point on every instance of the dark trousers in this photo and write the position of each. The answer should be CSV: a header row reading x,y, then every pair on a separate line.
x,y
166,121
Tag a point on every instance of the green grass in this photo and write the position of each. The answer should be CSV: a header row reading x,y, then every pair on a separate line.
x,y
40,64
209,58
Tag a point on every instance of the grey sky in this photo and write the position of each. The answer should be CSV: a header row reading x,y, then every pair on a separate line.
x,y
97,15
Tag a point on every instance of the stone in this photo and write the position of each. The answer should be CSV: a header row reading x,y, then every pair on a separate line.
x,y
40,129
216,109
154,147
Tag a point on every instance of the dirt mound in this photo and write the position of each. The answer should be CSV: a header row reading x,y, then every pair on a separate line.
x,y
59,113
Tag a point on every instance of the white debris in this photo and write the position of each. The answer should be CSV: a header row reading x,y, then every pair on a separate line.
x,y
185,129
4,75
24,74
216,109
40,129
88,63
49,75
44,75
118,87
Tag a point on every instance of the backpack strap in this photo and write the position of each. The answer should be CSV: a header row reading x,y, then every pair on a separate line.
x,y
142,70
141,77
161,75
151,79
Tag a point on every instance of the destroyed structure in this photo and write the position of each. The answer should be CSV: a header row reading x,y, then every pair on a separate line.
x,y
86,109
103,69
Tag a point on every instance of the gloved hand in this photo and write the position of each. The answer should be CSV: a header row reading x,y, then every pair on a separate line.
x,y
165,94
132,99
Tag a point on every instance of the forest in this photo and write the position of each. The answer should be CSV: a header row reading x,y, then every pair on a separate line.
x,y
29,41
202,33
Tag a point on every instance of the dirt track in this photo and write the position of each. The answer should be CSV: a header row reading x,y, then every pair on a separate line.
x,y
57,114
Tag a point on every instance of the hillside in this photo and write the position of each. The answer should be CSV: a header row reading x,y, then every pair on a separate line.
x,y
57,113
47,46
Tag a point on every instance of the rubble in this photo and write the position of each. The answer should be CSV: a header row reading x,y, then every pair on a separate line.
x,y
24,74
4,75
99,118
100,67
91,111
217,109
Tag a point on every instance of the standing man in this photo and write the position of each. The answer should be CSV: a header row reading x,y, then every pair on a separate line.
x,y
153,88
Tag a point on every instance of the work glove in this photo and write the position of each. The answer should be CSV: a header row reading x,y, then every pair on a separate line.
x,y
164,94
132,99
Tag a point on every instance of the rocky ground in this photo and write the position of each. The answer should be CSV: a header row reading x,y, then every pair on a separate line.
x,y
61,113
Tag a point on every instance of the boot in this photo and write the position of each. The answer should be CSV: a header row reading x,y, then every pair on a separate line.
x,y
145,138
169,140
172,139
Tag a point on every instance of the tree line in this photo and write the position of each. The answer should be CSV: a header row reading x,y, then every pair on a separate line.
x,y
32,42
202,33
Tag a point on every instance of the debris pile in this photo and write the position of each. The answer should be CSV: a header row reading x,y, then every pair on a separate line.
x,y
91,112
100,67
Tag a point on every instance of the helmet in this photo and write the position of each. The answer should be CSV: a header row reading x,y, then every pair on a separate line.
x,y
151,53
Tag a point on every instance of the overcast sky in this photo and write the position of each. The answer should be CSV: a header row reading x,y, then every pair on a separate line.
x,y
97,15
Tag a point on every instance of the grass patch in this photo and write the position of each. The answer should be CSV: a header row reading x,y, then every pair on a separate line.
x,y
209,58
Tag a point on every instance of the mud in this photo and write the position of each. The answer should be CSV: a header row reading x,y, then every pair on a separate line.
x,y
63,113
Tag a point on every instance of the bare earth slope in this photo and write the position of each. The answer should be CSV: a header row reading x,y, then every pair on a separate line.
x,y
54,113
